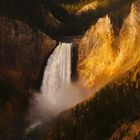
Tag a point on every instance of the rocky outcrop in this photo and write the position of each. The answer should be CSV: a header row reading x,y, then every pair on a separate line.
x,y
23,51
104,57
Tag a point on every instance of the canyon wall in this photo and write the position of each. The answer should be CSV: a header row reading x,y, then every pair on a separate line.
x,y
23,52
23,56
103,57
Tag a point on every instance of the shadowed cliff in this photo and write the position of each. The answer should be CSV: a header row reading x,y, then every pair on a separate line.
x,y
23,55
23,51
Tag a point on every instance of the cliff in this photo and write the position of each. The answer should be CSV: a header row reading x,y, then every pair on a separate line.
x,y
23,56
103,57
23,52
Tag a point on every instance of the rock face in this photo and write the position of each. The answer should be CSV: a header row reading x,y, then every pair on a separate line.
x,y
23,51
104,57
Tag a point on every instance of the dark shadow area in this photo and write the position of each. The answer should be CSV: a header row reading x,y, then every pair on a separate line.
x,y
74,74
35,12
13,106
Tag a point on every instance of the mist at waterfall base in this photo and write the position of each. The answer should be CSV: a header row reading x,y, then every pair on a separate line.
x,y
58,93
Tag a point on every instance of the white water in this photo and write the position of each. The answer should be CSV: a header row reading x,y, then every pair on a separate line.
x,y
57,91
57,73
57,76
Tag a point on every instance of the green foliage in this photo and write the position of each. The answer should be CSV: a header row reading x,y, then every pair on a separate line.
x,y
101,116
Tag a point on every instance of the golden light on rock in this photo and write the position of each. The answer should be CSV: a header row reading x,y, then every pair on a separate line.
x,y
103,57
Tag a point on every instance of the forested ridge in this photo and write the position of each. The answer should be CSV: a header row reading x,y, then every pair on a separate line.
x,y
113,106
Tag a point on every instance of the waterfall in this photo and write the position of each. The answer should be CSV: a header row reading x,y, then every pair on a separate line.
x,y
57,91
57,75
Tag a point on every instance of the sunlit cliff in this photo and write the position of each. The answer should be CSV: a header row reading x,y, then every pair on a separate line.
x,y
103,57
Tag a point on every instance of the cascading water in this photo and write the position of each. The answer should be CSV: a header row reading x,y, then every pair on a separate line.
x,y
57,74
57,91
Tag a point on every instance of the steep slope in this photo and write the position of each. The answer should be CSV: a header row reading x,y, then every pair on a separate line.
x,y
23,51
104,57
23,56
96,52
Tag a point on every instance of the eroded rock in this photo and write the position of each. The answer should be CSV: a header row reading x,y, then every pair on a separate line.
x,y
23,51
104,57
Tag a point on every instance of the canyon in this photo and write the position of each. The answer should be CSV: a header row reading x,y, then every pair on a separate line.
x,y
32,64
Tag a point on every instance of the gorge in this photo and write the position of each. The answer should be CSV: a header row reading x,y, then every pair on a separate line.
x,y
57,92
77,89
102,58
